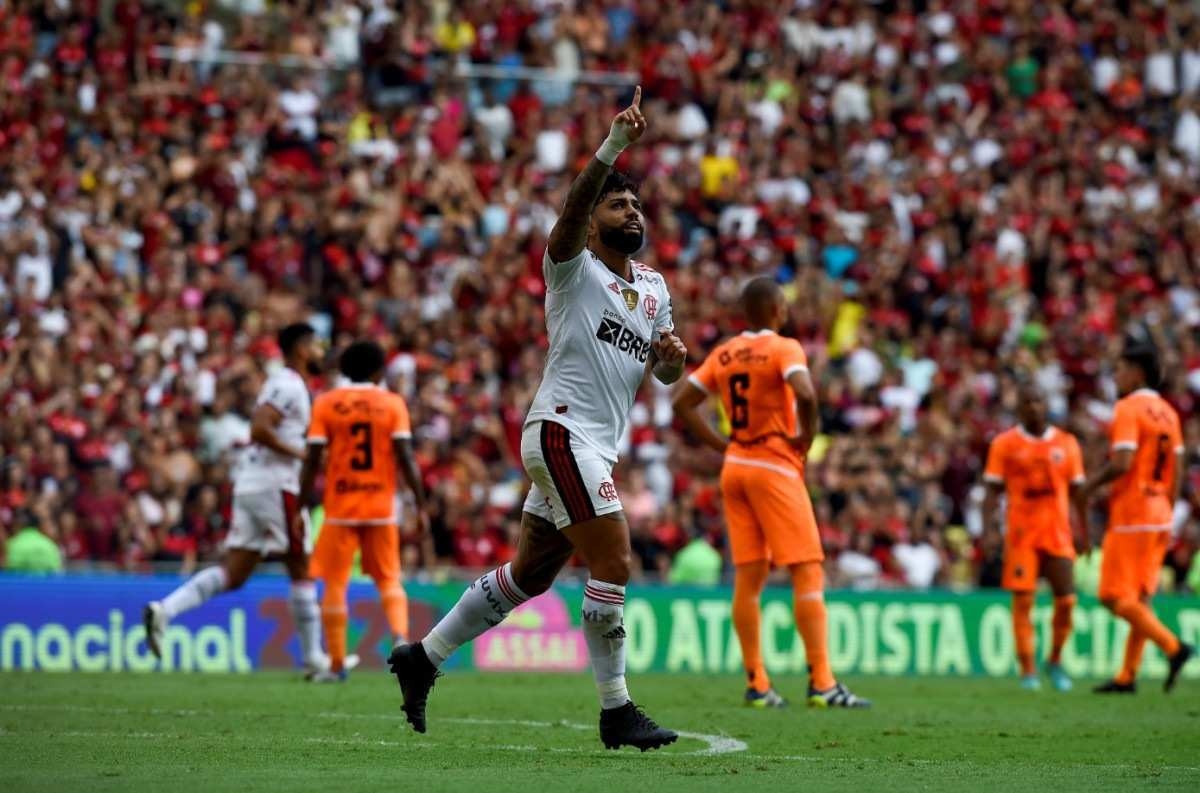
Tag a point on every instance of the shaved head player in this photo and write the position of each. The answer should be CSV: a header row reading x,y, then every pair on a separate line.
x,y
609,322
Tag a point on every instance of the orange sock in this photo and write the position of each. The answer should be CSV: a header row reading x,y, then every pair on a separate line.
x,y
1022,622
748,582
1141,619
1134,644
1061,624
808,602
333,622
395,608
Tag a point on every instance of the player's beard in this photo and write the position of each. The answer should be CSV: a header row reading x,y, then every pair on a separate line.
x,y
314,368
622,240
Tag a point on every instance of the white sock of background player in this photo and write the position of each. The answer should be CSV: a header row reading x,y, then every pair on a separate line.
x,y
483,606
203,586
306,615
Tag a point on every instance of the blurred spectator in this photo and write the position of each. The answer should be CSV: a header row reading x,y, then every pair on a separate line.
x,y
30,550
952,194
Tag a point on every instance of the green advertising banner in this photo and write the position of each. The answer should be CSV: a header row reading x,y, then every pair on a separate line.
x,y
92,622
870,633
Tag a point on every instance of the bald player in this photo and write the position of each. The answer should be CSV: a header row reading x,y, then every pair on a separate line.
x,y
762,380
1039,469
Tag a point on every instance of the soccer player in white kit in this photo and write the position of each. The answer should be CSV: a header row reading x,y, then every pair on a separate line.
x,y
609,321
266,484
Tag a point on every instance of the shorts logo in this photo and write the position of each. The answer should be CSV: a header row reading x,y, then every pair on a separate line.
x,y
651,305
631,298
608,491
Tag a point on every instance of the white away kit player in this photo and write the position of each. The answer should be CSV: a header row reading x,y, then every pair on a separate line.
x,y
266,483
609,321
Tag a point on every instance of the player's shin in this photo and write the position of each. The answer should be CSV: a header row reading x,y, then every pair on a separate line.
x,y
1022,624
334,619
201,587
604,631
482,606
808,602
1142,618
1064,607
306,616
1135,643
395,608
748,582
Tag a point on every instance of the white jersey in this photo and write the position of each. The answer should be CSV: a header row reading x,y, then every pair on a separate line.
x,y
601,327
260,468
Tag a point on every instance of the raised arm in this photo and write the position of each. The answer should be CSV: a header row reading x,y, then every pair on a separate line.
x,y
569,234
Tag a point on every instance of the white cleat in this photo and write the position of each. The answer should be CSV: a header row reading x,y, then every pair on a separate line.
x,y
155,622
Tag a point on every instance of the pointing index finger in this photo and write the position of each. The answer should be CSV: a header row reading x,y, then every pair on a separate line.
x,y
637,97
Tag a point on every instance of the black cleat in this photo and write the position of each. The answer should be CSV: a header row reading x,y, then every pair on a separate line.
x,y
1177,662
415,673
1113,687
629,725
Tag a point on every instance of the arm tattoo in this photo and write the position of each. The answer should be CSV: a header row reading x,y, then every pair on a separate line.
x,y
569,234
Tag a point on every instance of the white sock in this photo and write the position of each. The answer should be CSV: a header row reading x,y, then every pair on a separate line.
x,y
202,586
306,615
484,605
604,631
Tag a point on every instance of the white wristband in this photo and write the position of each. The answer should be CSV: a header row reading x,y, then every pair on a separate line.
x,y
609,151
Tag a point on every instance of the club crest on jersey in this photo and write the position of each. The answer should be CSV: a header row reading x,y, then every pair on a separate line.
x,y
651,306
1057,456
608,491
631,298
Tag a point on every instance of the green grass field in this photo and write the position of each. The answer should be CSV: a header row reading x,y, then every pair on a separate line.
x,y
269,731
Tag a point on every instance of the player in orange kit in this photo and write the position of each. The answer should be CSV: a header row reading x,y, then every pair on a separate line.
x,y
761,378
365,431
1040,469
1146,472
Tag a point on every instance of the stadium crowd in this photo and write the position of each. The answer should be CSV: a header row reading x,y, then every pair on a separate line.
x,y
955,193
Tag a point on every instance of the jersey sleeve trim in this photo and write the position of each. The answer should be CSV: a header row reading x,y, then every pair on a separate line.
x,y
996,480
696,382
791,370
1121,446
1079,480
401,435
318,439
1180,450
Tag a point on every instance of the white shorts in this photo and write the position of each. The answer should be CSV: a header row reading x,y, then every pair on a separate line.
x,y
571,481
263,522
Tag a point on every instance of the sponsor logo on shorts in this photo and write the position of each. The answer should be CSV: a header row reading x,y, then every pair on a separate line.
x,y
608,491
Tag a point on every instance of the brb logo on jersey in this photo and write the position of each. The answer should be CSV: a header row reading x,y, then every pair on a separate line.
x,y
613,332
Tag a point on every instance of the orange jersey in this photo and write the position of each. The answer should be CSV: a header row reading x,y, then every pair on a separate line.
x,y
358,423
1142,499
1037,474
749,375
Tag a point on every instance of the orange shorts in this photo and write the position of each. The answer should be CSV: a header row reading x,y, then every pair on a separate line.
x,y
1023,560
1131,563
769,514
333,558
